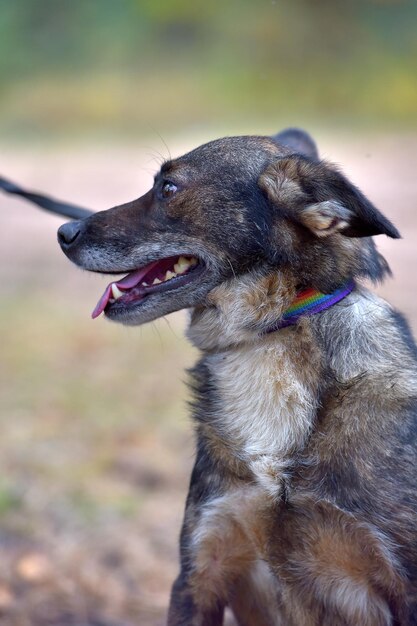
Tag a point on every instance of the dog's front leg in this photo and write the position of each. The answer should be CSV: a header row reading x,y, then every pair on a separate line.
x,y
189,609
222,541
198,595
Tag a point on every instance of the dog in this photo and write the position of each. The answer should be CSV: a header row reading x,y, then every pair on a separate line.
x,y
301,508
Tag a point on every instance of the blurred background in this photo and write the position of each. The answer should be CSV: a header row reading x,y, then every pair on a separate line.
x,y
96,446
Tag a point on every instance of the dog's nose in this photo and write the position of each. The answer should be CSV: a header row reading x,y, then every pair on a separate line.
x,y
68,233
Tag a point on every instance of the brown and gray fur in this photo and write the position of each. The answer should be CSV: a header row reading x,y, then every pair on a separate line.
x,y
302,507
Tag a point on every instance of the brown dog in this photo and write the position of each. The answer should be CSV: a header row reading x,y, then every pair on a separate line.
x,y
302,507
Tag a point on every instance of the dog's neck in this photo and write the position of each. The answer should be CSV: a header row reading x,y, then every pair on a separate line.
x,y
242,310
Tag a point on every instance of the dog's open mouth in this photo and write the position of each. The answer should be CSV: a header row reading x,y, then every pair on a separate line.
x,y
162,275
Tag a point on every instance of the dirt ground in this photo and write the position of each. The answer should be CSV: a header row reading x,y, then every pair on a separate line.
x,y
96,447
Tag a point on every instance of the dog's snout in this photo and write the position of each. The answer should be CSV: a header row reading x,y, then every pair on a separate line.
x,y
68,233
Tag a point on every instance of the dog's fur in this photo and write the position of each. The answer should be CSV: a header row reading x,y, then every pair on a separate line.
x,y
301,509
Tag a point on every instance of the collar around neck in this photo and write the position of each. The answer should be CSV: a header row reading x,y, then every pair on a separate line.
x,y
309,302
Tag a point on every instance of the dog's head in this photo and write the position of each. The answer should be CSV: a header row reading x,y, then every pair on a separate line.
x,y
225,209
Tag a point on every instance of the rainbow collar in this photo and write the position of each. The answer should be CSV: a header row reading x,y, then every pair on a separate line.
x,y
309,302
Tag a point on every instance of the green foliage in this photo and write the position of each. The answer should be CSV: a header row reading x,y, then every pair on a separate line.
x,y
92,63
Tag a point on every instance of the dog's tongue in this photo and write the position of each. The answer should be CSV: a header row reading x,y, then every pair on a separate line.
x,y
102,303
130,280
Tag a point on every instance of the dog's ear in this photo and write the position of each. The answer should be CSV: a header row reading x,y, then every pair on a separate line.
x,y
298,140
320,198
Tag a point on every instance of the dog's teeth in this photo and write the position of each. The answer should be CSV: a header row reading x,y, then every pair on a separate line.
x,y
145,284
169,275
156,281
193,261
116,291
182,265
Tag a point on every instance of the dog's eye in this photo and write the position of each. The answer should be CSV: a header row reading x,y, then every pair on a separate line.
x,y
168,189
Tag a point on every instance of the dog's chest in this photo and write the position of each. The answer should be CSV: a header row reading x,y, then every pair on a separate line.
x,y
265,399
